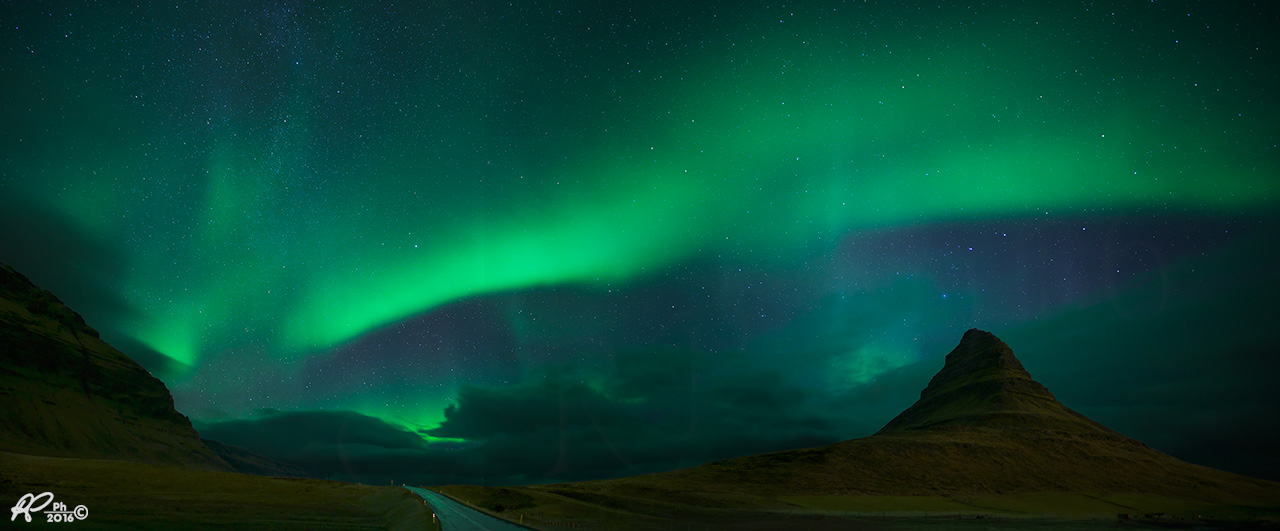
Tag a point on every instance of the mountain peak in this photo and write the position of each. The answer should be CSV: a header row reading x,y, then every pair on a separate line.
x,y
982,384
979,356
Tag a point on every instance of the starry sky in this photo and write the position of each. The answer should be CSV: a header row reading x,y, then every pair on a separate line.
x,y
474,241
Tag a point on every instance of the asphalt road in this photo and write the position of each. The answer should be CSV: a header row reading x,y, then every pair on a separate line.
x,y
455,516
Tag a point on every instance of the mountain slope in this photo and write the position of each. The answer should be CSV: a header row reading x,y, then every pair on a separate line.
x,y
66,393
982,426
984,437
85,422
982,384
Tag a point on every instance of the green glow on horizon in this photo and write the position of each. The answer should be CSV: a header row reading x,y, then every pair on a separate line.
x,y
416,412
867,362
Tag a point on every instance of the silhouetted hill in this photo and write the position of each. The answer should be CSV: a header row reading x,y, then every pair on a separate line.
x,y
982,385
981,426
983,438
82,420
66,393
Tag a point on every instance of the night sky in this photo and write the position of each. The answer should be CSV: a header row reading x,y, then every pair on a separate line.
x,y
465,241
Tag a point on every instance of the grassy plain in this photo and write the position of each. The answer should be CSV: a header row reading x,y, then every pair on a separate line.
x,y
957,476
556,507
127,495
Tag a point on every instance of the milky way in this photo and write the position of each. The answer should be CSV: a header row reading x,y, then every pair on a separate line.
x,y
725,228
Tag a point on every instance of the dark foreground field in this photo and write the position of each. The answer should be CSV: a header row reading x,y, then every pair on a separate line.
x,y
574,507
126,495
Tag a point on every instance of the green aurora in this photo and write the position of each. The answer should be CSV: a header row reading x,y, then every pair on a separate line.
x,y
281,186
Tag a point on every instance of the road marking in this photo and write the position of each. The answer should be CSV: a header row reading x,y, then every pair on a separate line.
x,y
444,504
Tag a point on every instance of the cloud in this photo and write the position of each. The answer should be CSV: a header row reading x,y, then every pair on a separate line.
x,y
325,442
658,410
280,431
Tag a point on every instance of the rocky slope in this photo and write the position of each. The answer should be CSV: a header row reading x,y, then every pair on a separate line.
x,y
64,392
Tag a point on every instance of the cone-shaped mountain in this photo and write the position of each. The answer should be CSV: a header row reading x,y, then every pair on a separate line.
x,y
982,427
982,384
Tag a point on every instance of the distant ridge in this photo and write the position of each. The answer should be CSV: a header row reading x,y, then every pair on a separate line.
x,y
64,392
249,462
